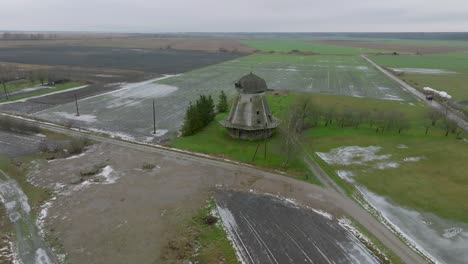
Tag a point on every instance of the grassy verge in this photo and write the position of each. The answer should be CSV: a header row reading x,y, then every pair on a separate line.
x,y
203,240
392,257
214,140
57,88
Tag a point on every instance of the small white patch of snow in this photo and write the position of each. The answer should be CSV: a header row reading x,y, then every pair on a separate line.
x,y
40,135
83,118
352,155
109,174
231,227
41,257
323,213
387,165
346,175
412,159
401,146
424,71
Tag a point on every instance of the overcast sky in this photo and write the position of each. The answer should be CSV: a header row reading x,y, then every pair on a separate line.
x,y
234,15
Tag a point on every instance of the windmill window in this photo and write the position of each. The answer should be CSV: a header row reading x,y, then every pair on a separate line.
x,y
258,112
258,121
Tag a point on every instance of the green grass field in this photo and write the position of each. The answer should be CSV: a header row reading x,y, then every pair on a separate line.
x,y
16,87
283,45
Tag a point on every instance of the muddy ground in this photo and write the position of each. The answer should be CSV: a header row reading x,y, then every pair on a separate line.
x,y
128,216
401,47
164,61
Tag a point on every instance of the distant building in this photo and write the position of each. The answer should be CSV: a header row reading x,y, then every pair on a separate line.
x,y
250,118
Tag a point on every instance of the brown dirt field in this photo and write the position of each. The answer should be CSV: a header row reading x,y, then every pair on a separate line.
x,y
132,220
401,47
195,44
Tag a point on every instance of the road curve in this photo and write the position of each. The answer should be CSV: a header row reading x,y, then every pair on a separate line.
x,y
344,203
442,109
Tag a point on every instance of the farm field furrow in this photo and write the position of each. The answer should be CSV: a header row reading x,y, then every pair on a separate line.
x,y
128,112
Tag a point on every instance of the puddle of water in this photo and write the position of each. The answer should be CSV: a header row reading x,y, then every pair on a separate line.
x,y
29,245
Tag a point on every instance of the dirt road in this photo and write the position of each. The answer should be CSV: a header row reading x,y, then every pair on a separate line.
x,y
442,109
308,191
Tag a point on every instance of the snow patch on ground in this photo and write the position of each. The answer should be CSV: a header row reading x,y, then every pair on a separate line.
x,y
40,221
401,146
109,174
346,175
423,71
412,159
392,97
387,165
352,155
14,199
348,225
231,227
41,257
83,118
114,134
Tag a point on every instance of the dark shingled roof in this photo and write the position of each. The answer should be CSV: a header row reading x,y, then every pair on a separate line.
x,y
251,84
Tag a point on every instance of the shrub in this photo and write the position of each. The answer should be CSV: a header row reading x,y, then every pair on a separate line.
x,y
77,145
18,126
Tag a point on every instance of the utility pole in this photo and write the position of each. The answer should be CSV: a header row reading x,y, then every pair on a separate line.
x,y
6,92
255,154
265,135
154,119
76,104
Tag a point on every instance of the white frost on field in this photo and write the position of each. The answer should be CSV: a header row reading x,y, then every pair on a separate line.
x,y
83,118
387,165
231,227
352,155
346,175
423,71
443,241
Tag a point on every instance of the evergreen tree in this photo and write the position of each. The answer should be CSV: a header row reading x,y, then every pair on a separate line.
x,y
222,106
198,116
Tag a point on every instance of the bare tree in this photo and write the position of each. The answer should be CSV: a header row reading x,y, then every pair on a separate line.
x,y
6,75
450,126
434,116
